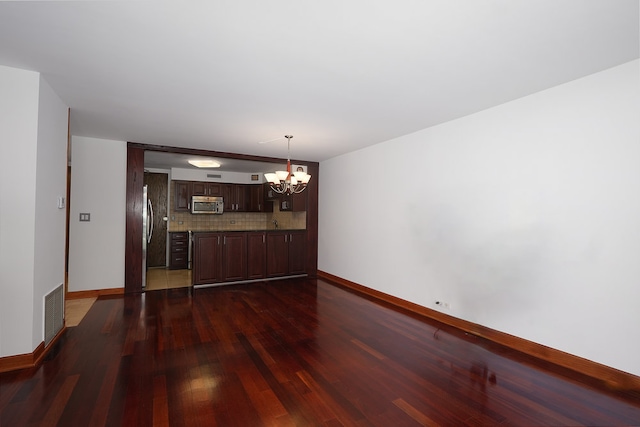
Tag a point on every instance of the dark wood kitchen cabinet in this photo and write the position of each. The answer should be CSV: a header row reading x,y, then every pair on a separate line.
x,y
200,188
256,199
294,202
207,258
234,256
182,195
219,257
286,253
286,203
235,197
179,250
256,255
297,252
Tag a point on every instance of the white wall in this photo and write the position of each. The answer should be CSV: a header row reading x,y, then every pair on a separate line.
x,y
51,183
201,175
33,121
18,124
98,187
524,217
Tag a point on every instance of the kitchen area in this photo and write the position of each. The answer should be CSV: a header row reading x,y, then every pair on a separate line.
x,y
225,227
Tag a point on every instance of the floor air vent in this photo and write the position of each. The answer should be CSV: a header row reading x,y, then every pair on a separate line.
x,y
53,313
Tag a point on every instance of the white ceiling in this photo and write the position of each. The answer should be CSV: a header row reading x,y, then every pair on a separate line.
x,y
338,75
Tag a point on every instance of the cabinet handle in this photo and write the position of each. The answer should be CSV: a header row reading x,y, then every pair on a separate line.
x,y
263,238
285,238
224,240
291,237
218,239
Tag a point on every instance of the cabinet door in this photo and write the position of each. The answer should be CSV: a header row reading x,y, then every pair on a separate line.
x,y
207,266
299,202
199,188
256,255
235,256
235,197
228,197
255,202
241,191
294,202
269,194
214,189
277,254
297,252
182,195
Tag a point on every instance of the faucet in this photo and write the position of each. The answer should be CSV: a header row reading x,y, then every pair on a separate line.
x,y
275,223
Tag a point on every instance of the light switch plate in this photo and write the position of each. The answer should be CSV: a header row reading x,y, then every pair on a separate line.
x,y
85,217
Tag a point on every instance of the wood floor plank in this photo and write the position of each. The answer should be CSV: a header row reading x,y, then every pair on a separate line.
x,y
58,405
290,353
421,418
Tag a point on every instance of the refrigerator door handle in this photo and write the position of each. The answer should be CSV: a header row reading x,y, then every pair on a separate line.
x,y
150,224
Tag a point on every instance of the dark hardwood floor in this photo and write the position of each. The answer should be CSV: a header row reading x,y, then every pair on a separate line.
x,y
292,352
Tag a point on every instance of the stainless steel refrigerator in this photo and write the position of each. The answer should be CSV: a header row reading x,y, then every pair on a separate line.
x,y
147,231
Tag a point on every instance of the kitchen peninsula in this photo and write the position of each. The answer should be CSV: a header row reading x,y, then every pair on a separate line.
x,y
233,256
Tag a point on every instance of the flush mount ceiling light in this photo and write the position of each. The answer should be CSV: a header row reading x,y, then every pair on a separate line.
x,y
206,163
285,182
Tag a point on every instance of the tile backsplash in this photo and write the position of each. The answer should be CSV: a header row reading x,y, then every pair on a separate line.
x,y
183,221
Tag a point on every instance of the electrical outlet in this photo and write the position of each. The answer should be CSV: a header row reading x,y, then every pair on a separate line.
x,y
443,304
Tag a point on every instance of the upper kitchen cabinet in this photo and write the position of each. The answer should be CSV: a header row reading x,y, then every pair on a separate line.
x,y
182,195
235,197
206,189
256,202
287,203
294,202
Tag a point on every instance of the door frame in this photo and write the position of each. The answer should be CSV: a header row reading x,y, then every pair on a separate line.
x,y
134,200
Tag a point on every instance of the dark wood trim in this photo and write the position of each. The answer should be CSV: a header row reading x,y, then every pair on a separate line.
x,y
135,177
312,220
29,360
608,376
94,293
209,153
133,243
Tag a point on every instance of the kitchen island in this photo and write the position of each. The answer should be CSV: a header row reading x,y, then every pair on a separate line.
x,y
226,257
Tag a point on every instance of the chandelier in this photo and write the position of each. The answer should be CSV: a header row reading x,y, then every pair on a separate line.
x,y
287,182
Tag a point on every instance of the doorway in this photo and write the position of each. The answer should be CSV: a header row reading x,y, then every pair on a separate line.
x,y
157,190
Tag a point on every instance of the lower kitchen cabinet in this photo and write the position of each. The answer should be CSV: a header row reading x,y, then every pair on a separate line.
x,y
179,250
286,253
256,255
277,254
297,252
219,257
234,256
207,258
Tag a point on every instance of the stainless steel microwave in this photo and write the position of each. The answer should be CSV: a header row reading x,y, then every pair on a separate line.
x,y
206,205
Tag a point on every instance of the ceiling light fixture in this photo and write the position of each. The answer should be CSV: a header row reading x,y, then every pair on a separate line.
x,y
206,163
285,182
